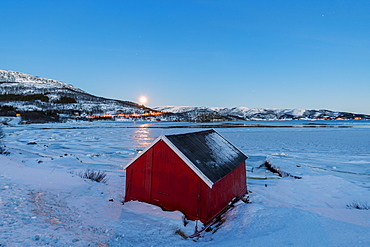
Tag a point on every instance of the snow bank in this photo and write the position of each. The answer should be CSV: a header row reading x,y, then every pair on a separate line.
x,y
43,202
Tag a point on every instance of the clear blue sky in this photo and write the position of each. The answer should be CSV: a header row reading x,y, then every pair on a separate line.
x,y
253,53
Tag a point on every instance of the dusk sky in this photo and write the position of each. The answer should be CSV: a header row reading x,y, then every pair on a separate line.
x,y
257,54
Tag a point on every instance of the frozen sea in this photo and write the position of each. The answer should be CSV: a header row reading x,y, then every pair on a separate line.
x,y
339,148
332,157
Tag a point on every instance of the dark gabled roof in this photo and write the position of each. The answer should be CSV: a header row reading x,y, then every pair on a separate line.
x,y
211,153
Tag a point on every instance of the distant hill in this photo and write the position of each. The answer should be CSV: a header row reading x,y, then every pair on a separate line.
x,y
43,100
21,92
244,113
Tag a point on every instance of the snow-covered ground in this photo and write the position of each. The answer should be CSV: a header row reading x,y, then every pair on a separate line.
x,y
44,203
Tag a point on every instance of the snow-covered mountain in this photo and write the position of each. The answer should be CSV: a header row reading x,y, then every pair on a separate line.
x,y
244,113
25,93
22,92
13,82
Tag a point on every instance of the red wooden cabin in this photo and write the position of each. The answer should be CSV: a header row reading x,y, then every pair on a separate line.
x,y
196,173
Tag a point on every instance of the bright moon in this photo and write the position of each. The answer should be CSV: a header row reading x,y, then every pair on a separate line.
x,y
143,100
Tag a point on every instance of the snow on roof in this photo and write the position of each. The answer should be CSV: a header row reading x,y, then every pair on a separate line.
x,y
209,152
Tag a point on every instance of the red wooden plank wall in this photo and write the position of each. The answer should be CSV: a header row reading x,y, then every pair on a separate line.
x,y
162,178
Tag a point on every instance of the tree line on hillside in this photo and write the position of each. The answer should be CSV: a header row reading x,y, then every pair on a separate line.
x,y
34,97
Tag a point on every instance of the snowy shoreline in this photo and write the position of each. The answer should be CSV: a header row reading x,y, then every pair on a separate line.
x,y
43,201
